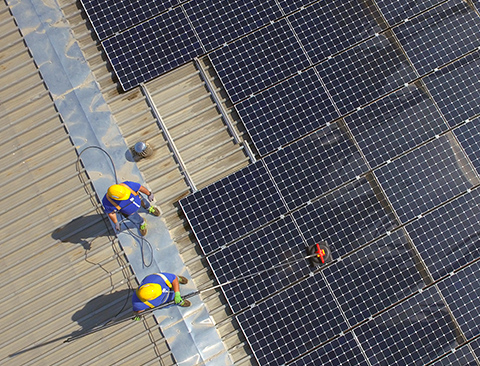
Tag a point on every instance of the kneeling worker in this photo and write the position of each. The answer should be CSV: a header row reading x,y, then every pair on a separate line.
x,y
125,199
157,289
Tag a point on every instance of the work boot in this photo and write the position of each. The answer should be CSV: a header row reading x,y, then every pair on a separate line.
x,y
185,303
154,211
182,280
143,228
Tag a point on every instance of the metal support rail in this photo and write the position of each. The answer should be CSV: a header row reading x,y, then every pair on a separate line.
x,y
169,138
223,112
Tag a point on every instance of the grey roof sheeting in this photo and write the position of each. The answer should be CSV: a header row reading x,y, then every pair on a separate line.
x,y
62,270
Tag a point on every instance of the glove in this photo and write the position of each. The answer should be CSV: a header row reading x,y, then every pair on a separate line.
x,y
137,318
151,197
178,298
117,226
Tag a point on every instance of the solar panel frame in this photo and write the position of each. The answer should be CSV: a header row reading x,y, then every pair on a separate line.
x,y
462,294
294,331
315,165
286,112
258,60
456,89
276,251
375,277
233,207
217,24
347,218
395,124
326,28
413,332
426,177
446,237
152,48
440,35
364,73
109,17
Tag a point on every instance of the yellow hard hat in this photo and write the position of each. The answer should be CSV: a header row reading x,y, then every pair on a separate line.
x,y
118,192
149,291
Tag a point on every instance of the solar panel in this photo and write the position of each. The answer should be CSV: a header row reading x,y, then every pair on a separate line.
x,y
468,135
440,35
276,251
286,112
374,278
413,332
461,357
426,177
292,322
259,60
315,165
462,294
326,27
396,11
395,124
152,48
347,218
456,89
447,238
364,73
217,23
343,351
110,17
233,207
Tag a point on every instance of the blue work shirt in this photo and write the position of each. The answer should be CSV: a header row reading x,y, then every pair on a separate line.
x,y
166,296
128,206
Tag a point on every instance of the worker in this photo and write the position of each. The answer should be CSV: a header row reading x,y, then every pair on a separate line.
x,y
124,198
157,289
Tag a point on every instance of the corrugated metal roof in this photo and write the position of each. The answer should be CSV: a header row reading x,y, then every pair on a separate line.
x,y
61,269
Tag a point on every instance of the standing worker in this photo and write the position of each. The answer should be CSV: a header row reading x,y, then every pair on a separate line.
x,y
125,199
157,289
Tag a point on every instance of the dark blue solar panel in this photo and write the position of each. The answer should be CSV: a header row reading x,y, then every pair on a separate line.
x,y
289,6
374,278
469,137
395,124
412,333
278,247
292,322
440,35
462,294
109,17
364,73
286,112
152,48
217,23
342,351
448,237
327,27
396,11
258,60
461,357
456,89
314,165
347,218
426,177
233,207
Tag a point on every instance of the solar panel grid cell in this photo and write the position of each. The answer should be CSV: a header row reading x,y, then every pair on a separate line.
x,y
258,60
286,111
426,177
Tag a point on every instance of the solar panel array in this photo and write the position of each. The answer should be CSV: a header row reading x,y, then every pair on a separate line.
x,y
366,117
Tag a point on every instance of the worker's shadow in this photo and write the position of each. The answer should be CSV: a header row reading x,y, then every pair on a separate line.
x,y
83,230
102,309
97,314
